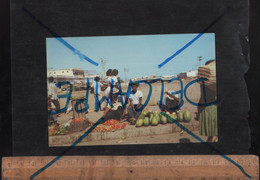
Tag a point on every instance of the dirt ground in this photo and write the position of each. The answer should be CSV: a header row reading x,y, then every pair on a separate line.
x,y
193,93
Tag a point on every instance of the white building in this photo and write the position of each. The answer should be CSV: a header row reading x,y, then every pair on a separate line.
x,y
73,75
192,73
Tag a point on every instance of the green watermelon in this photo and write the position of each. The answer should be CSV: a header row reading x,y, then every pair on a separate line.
x,y
154,121
145,111
157,116
173,116
151,117
139,123
156,112
180,116
168,119
150,112
187,116
141,116
163,119
146,121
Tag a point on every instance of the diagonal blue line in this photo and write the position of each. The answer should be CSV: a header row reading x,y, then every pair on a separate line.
x,y
82,56
207,144
62,154
194,39
65,43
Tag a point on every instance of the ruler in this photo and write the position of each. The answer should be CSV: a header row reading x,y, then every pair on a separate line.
x,y
188,167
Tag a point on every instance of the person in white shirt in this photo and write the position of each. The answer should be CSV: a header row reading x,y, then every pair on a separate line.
x,y
135,99
114,78
97,91
108,74
52,93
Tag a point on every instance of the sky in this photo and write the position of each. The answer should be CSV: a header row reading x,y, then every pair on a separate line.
x,y
140,54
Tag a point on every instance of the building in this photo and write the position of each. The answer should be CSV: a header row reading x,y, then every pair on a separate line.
x,y
192,73
182,75
169,77
75,76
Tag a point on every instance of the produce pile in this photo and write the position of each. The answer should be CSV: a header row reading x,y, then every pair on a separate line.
x,y
77,120
149,117
110,125
60,131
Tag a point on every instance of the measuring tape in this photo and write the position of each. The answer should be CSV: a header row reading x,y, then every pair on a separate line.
x,y
189,167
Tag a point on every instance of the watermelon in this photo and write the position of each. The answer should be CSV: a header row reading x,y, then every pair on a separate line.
x,y
145,111
157,116
150,112
155,121
163,119
173,116
168,119
156,112
139,123
143,114
180,116
187,116
146,121
151,117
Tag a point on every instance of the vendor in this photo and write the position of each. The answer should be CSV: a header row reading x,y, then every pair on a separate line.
x,y
135,99
171,102
52,93
52,117
114,110
207,115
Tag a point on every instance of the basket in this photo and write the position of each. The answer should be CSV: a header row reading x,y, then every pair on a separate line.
x,y
78,125
209,72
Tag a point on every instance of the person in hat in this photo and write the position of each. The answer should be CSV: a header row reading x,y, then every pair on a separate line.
x,y
114,110
135,99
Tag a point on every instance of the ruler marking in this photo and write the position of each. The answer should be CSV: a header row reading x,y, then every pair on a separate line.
x,y
147,166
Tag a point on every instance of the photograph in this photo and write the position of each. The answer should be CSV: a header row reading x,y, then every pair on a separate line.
x,y
141,87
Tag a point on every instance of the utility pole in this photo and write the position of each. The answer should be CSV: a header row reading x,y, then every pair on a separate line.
x,y
125,71
103,65
199,59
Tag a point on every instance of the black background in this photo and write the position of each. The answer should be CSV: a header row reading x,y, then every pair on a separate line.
x,y
118,18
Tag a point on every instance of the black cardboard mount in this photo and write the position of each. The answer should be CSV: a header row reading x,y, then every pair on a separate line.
x,y
96,18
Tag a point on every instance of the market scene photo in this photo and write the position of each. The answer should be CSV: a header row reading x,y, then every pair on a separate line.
x,y
136,101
